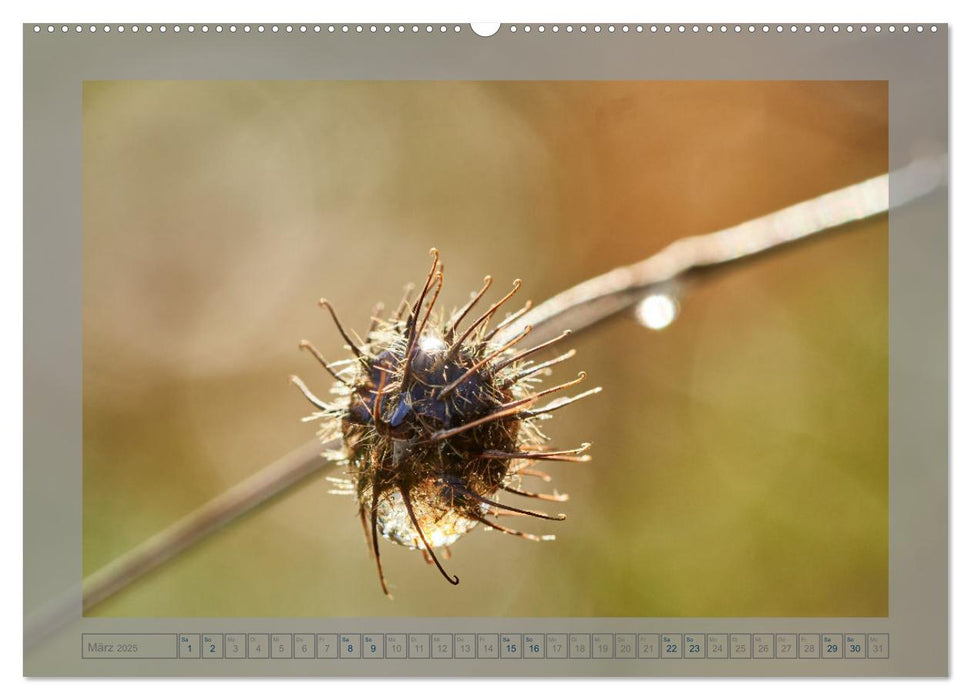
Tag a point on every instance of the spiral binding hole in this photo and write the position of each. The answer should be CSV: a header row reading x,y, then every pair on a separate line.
x,y
513,28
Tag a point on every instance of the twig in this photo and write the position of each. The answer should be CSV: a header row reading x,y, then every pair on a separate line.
x,y
603,297
578,308
224,508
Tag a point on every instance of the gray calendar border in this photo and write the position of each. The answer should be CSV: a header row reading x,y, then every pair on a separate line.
x,y
55,65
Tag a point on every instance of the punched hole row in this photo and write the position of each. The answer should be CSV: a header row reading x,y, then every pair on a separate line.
x,y
514,28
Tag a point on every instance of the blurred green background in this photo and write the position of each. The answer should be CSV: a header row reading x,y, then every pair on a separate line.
x,y
740,456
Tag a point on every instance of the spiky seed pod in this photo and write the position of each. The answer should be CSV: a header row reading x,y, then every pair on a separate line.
x,y
436,422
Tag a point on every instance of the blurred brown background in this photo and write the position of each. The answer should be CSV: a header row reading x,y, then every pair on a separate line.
x,y
740,456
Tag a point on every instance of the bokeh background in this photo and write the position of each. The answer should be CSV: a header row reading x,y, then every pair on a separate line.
x,y
740,455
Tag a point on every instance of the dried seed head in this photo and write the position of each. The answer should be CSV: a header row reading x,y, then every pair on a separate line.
x,y
436,422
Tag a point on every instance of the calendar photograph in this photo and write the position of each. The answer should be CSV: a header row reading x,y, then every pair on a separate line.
x,y
603,349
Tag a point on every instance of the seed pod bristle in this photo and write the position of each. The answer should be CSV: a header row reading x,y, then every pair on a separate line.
x,y
435,429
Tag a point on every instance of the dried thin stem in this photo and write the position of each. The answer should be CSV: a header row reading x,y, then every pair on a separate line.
x,y
574,455
510,410
536,473
307,345
560,403
405,302
506,321
227,507
375,320
485,360
484,318
454,580
614,292
375,539
526,353
414,331
496,504
540,367
557,497
460,314
516,533
324,304
309,395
